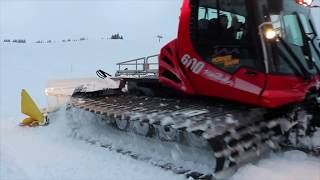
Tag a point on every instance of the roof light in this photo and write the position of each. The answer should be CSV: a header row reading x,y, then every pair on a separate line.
x,y
305,2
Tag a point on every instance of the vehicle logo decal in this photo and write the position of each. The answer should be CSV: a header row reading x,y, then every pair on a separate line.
x,y
218,51
227,61
192,63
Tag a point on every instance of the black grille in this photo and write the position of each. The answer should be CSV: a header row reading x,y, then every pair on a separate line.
x,y
171,76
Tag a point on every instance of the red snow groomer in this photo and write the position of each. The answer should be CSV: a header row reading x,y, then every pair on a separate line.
x,y
242,78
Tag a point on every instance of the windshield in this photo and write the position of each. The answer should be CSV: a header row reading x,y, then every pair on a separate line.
x,y
222,34
292,55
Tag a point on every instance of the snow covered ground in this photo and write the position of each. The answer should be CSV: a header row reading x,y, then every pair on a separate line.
x,y
51,152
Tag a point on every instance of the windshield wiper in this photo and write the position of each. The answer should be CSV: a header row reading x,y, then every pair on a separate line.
x,y
305,73
315,35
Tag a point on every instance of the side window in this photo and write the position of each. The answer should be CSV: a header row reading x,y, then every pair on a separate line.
x,y
207,13
292,29
233,24
221,36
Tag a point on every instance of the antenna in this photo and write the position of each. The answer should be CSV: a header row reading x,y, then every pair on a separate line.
x,y
159,37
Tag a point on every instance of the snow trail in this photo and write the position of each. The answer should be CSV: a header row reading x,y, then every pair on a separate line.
x,y
291,165
51,153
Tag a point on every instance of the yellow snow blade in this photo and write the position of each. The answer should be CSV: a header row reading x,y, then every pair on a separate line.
x,y
29,107
29,122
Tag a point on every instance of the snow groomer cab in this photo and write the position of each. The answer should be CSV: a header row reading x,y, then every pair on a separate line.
x,y
260,52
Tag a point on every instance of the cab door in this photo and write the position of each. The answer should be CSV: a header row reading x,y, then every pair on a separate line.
x,y
292,71
224,39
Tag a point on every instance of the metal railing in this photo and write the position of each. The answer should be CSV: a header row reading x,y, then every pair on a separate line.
x,y
144,66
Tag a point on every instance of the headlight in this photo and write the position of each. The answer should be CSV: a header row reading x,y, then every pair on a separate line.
x,y
270,33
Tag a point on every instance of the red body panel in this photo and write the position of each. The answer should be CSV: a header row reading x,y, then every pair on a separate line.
x,y
281,90
198,77
169,52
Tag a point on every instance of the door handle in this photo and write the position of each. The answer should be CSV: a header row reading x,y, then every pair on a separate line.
x,y
251,73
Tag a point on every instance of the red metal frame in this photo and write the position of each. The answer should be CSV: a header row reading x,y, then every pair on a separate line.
x,y
198,77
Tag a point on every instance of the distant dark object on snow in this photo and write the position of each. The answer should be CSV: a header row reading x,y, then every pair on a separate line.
x,y
6,40
116,36
45,41
19,41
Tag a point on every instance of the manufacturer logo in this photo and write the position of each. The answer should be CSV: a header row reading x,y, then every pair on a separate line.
x,y
227,61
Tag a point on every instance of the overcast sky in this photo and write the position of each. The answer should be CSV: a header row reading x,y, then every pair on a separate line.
x,y
58,19
90,18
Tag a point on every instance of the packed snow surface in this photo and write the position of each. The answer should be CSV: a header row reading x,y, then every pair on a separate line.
x,y
291,165
52,152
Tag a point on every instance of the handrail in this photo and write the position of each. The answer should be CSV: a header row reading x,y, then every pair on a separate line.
x,y
148,57
123,63
144,61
